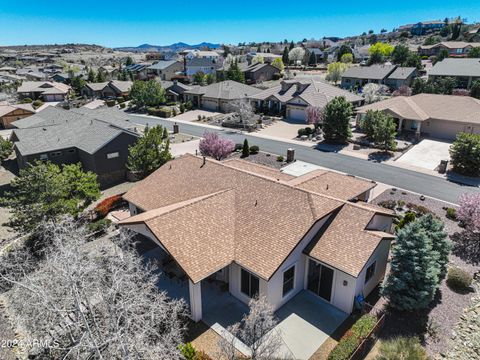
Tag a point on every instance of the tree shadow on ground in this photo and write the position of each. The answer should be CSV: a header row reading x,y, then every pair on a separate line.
x,y
327,147
467,247
379,156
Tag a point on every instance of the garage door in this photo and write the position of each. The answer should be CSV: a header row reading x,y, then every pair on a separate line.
x,y
442,129
209,105
297,114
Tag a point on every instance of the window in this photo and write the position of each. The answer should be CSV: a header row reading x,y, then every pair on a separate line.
x,y
71,150
288,280
370,272
249,284
113,155
43,156
55,154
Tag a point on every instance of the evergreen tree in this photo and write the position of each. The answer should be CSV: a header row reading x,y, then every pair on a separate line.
x,y
285,58
336,124
234,73
129,61
435,229
91,76
413,278
292,45
384,132
312,60
475,89
245,149
100,77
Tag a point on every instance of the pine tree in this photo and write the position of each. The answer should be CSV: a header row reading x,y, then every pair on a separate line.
x,y
312,59
413,278
441,245
100,77
91,76
234,73
292,45
245,149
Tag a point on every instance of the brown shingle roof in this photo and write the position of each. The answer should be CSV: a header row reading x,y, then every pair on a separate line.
x,y
208,214
349,250
258,169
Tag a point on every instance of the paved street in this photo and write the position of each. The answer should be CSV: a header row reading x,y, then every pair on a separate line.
x,y
402,178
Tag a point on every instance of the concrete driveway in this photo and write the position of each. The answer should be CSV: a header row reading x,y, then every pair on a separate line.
x,y
283,129
426,154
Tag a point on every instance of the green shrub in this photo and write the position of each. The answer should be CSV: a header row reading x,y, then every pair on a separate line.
x,y
238,147
182,108
352,338
458,279
401,203
120,99
99,226
280,158
163,112
451,213
401,348
37,103
188,351
26,101
122,105
110,103
301,132
419,209
308,131
171,103
408,218
254,149
199,117
465,154
276,76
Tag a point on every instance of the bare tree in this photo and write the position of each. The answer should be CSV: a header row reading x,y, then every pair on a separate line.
x,y
244,110
374,92
94,300
256,330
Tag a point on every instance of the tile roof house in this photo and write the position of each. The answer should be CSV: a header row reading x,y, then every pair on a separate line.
x,y
261,232
98,139
391,75
465,71
218,96
45,90
200,64
440,116
292,97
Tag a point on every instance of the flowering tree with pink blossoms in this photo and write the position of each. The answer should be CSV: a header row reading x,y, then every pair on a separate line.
x,y
314,115
214,146
467,242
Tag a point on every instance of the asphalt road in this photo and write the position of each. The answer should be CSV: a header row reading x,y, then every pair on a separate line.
x,y
428,185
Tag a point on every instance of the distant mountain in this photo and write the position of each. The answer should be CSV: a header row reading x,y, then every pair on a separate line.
x,y
173,47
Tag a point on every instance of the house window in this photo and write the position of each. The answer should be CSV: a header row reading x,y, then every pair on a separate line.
x,y
249,284
71,150
288,280
370,272
55,154
43,156
113,155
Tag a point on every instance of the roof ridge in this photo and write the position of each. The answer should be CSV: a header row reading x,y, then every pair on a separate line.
x,y
416,108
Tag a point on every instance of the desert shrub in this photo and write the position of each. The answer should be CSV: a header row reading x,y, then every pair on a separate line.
x,y
401,348
451,213
388,204
99,226
419,209
188,351
108,204
254,149
352,338
458,279
280,158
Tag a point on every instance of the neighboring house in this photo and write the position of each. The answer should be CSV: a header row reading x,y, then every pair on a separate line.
x,y
267,57
139,70
358,76
425,27
473,34
202,54
218,96
260,72
465,71
113,88
454,48
11,113
44,90
439,116
207,66
8,69
292,97
318,54
98,139
261,232
109,71
165,70
401,76
175,90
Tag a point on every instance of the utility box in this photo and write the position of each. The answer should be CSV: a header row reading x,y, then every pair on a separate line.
x,y
175,128
290,155
442,168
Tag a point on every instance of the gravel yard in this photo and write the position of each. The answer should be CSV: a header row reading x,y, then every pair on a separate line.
x,y
435,325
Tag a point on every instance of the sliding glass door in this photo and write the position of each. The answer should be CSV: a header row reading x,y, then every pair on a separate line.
x,y
320,279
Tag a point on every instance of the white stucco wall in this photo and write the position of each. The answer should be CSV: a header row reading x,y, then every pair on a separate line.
x,y
234,284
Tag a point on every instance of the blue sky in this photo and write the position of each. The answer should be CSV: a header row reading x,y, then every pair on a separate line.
x,y
122,23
